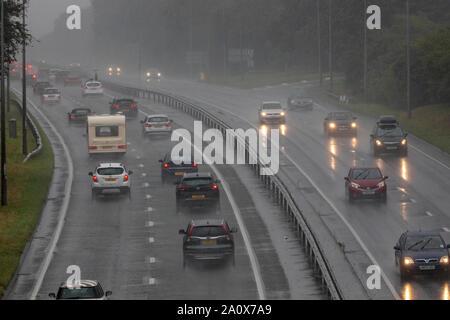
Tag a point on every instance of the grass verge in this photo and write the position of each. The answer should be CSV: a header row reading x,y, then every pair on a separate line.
x,y
430,123
28,185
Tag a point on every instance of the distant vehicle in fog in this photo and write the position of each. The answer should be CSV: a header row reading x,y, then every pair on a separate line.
x,y
388,137
271,112
79,114
300,101
51,95
157,123
337,123
40,86
73,78
92,88
152,74
127,106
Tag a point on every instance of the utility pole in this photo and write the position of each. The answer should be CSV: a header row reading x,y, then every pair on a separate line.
x,y
330,45
24,86
319,49
3,115
408,62
224,40
191,40
365,51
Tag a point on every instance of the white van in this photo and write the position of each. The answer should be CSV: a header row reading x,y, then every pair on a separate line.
x,y
106,134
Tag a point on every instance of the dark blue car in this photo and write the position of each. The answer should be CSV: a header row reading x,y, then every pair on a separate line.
x,y
174,169
421,252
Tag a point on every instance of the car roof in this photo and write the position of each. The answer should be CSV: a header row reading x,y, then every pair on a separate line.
x,y
157,115
271,102
83,284
197,175
422,233
207,222
81,108
359,168
109,164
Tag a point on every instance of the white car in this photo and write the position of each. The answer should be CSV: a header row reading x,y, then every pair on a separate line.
x,y
110,176
87,290
92,87
157,123
51,95
272,112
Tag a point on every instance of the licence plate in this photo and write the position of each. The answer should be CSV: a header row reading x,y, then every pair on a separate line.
x,y
367,193
110,179
107,147
391,148
198,196
427,267
179,173
158,126
209,241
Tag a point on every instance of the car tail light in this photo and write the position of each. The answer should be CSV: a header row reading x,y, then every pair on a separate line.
x,y
125,178
214,187
166,165
181,188
133,105
122,147
95,178
189,234
92,148
72,117
169,124
194,164
79,79
85,88
43,97
228,235
101,87
148,125
116,106
67,80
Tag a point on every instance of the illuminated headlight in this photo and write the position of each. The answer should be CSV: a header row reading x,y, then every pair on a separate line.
x,y
159,74
263,114
444,260
408,261
332,125
353,124
148,74
381,184
110,69
282,114
355,185
404,142
379,143
118,69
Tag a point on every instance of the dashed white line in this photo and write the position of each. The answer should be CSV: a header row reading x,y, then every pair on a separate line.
x,y
429,213
143,174
146,184
413,200
150,224
446,229
148,196
149,209
151,240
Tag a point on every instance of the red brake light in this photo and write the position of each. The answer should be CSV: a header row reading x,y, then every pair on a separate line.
x,y
194,164
125,178
79,79
133,105
92,148
214,186
116,106
169,124
166,165
72,117
95,178
228,235
122,147
148,125
67,80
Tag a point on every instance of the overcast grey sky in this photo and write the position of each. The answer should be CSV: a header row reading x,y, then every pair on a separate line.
x,y
43,13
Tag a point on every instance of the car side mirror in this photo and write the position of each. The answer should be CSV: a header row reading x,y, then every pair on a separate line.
x,y
160,161
142,121
181,231
448,246
396,247
90,174
108,293
385,177
130,171
372,136
217,181
346,178
52,295
233,230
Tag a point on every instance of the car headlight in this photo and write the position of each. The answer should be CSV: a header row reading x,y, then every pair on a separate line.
x,y
404,142
381,184
408,261
110,69
355,185
444,260
263,114
159,74
282,114
379,143
332,125
148,74
353,124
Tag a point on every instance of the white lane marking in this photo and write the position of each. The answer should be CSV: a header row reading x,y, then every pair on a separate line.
x,y
150,224
151,281
150,260
138,157
151,240
430,157
339,213
63,211
251,253
133,150
446,229
148,196
413,200
429,213
146,184
149,209
144,174
141,165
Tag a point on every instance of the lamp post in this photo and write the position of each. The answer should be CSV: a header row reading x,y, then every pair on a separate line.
x,y
408,63
330,44
24,86
3,115
365,52
319,49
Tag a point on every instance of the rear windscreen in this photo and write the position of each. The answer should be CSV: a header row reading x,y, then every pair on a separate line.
x,y
81,293
208,231
52,91
197,181
93,85
158,119
109,171
269,106
107,131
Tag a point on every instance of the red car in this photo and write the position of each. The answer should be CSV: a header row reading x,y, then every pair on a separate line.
x,y
365,183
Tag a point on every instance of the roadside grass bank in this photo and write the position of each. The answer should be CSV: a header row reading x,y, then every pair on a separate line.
x,y
430,123
28,185
261,79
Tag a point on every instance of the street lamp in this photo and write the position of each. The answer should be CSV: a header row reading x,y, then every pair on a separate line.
x,y
319,53
408,63
330,45
3,115
365,51
24,85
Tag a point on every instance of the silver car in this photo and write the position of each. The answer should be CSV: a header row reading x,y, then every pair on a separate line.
x,y
110,176
272,112
51,95
157,123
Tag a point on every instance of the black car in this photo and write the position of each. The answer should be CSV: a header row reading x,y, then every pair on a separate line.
x,y
388,136
125,105
197,189
208,240
61,75
40,86
79,114
421,252
299,101
87,290
340,123
176,168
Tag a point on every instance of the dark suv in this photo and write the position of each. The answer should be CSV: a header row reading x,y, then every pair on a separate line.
x,y
196,189
208,240
387,136
125,105
40,86
176,168
421,252
340,123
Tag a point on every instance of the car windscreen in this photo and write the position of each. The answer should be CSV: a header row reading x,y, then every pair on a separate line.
x,y
208,231
158,119
81,111
268,106
389,131
366,174
81,293
192,182
125,101
51,91
424,242
107,131
341,116
93,84
110,171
